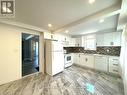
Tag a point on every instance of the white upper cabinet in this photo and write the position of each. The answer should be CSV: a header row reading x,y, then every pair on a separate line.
x,y
55,37
47,35
72,42
78,42
58,37
109,39
89,42
100,39
117,38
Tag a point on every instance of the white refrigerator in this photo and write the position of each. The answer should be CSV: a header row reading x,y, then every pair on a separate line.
x,y
54,57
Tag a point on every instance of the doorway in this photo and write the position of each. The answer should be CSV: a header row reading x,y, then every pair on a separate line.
x,y
30,54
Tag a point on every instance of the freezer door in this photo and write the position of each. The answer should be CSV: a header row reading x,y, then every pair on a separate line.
x,y
58,62
57,46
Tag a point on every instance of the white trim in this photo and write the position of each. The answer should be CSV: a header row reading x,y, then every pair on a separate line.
x,y
22,25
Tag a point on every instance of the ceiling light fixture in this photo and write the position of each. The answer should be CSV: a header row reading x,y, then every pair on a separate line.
x,y
101,20
49,25
66,31
91,1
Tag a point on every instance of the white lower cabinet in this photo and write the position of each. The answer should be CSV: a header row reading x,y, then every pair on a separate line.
x,y
98,62
101,63
89,61
76,58
114,65
84,60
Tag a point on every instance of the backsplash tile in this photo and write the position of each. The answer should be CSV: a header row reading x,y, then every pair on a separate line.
x,y
74,49
112,50
106,50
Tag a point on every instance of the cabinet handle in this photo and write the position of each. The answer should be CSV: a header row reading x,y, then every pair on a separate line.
x,y
115,59
111,43
115,64
86,59
100,56
115,70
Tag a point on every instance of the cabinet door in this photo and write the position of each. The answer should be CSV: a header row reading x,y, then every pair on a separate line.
x,y
72,42
82,60
78,42
117,39
101,63
108,39
55,37
47,35
89,61
100,39
76,58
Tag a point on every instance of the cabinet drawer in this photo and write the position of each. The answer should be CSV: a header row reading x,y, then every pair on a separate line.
x,y
114,60
113,64
114,67
114,70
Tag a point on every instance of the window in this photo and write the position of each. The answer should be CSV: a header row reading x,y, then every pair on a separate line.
x,y
90,42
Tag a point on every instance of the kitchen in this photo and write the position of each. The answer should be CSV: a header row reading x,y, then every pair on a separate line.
x,y
94,52
103,54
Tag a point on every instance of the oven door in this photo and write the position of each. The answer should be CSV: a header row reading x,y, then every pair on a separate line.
x,y
68,59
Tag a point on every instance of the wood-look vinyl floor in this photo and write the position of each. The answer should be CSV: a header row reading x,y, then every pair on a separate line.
x,y
73,81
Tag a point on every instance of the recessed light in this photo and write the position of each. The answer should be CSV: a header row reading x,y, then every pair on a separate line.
x,y
90,31
91,1
101,20
49,25
66,31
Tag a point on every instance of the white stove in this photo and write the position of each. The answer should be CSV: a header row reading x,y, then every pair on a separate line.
x,y
67,60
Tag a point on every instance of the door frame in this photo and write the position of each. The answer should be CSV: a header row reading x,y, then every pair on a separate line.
x,y
41,52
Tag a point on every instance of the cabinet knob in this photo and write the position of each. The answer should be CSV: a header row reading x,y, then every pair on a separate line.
x,y
86,59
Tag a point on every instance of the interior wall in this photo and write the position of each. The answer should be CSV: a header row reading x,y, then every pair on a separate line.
x,y
123,60
10,52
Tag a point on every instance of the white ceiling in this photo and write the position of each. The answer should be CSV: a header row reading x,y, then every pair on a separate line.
x,y
57,12
94,26
61,12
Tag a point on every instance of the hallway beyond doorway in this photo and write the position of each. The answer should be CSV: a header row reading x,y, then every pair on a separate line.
x,y
30,54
